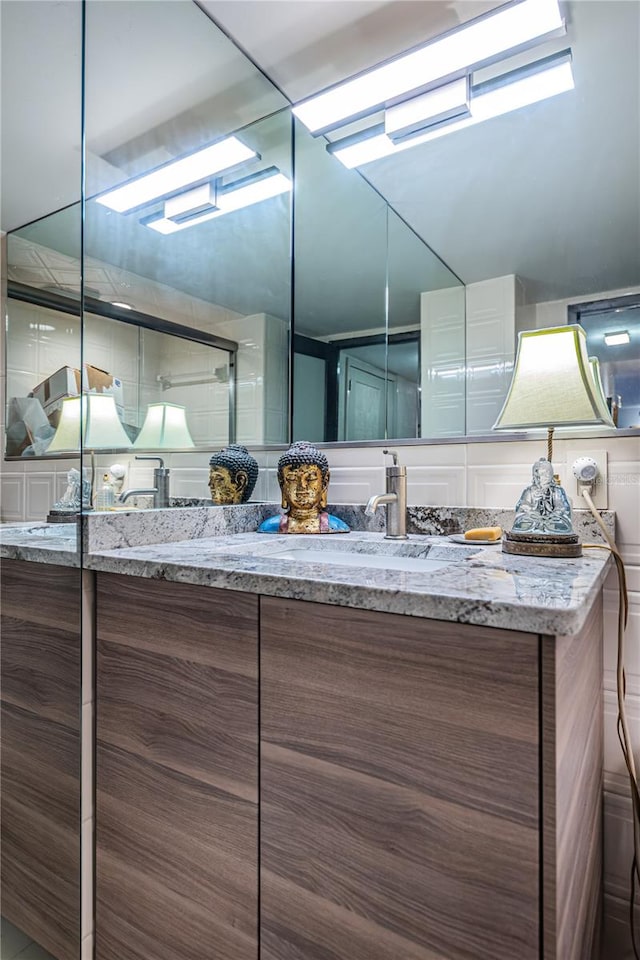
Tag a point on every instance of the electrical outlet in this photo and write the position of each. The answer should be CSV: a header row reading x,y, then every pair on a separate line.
x,y
600,492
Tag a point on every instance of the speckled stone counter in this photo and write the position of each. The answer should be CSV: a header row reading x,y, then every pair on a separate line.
x,y
476,584
56,543
211,546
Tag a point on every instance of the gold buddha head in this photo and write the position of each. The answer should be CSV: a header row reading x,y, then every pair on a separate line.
x,y
303,475
232,475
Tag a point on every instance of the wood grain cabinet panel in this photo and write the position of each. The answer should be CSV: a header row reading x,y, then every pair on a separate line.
x,y
399,788
41,697
177,763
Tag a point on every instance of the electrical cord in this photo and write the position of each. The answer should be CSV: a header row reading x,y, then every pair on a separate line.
x,y
621,685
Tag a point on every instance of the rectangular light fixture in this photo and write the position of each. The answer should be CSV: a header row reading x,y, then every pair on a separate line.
x,y
241,193
519,88
187,205
462,49
617,339
446,103
176,174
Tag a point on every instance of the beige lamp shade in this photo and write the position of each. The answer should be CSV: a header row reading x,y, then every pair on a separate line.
x,y
165,428
96,415
553,383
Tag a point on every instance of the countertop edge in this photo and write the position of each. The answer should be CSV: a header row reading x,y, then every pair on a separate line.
x,y
550,621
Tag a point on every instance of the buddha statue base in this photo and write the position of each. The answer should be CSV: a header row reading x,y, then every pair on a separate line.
x,y
560,545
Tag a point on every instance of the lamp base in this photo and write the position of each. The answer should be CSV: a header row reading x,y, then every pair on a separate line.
x,y
564,545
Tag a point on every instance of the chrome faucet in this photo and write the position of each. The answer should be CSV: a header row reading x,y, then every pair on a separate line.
x,y
395,499
160,490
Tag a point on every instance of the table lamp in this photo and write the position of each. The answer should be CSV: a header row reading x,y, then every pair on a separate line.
x,y
554,384
90,422
164,428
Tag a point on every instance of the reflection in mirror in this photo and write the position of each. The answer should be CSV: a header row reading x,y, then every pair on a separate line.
x,y
535,209
187,222
41,601
613,337
340,280
361,276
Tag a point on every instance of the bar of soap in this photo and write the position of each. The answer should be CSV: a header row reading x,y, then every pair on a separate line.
x,y
483,533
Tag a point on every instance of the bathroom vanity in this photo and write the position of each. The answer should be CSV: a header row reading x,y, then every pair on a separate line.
x,y
309,779
40,759
298,760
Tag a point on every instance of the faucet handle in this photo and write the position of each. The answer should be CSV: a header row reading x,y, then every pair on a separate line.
x,y
397,470
145,457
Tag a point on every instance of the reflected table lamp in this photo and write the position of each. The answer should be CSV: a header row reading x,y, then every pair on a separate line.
x,y
164,428
90,422
554,384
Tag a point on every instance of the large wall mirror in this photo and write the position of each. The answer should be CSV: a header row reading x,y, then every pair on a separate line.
x,y
504,225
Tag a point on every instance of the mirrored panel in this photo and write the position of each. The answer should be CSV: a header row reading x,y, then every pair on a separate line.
x,y
613,340
534,204
41,593
187,233
361,279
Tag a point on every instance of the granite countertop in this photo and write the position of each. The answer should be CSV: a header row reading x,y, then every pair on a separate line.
x,y
210,546
56,543
477,584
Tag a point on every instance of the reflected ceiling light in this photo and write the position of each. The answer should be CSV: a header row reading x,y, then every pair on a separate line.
x,y
121,305
464,48
518,88
617,338
446,103
177,174
241,193
186,205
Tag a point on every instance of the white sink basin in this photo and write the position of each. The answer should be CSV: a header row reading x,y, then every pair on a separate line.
x,y
353,558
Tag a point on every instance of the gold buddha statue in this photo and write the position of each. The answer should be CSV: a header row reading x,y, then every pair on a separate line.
x,y
233,473
303,475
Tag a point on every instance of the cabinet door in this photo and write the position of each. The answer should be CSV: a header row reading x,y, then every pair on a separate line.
x,y
177,755
41,753
399,787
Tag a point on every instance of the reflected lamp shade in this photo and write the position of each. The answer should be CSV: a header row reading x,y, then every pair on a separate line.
x,y
95,416
602,400
165,428
553,383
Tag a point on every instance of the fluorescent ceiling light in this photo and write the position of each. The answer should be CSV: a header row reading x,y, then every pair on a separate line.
x,y
243,193
616,339
497,100
466,47
191,203
441,105
177,174
253,190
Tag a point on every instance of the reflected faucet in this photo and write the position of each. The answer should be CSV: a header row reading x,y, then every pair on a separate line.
x,y
160,490
395,498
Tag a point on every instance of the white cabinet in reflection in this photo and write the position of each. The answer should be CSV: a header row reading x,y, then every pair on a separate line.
x,y
442,352
491,308
467,341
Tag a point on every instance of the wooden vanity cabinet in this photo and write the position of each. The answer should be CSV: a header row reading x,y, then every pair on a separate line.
x,y
40,766
177,771
427,790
